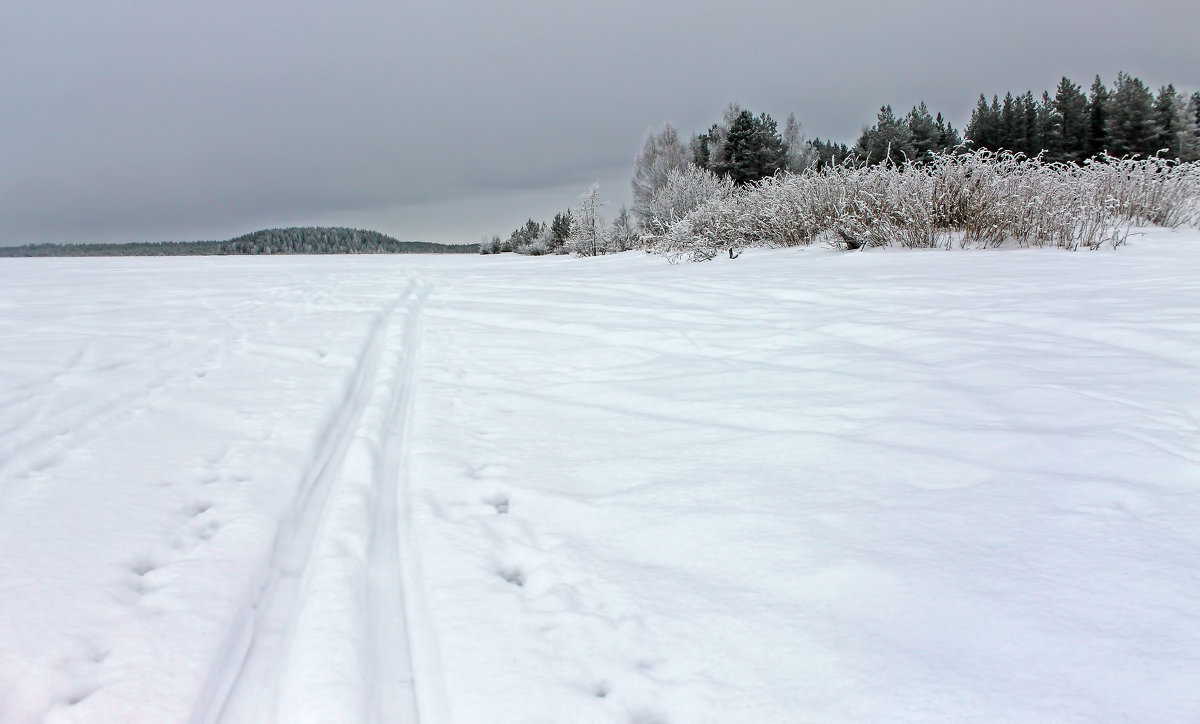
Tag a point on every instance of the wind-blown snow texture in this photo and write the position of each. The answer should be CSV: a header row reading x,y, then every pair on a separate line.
x,y
802,485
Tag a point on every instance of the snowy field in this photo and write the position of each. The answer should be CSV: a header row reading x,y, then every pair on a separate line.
x,y
798,486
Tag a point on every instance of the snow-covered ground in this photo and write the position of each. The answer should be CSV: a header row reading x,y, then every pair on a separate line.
x,y
798,486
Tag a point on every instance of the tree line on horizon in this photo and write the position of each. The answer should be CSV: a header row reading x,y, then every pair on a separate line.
x,y
291,240
1070,126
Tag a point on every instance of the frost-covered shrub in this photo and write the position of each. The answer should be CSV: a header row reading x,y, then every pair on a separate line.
x,y
686,189
971,198
1153,191
490,246
539,246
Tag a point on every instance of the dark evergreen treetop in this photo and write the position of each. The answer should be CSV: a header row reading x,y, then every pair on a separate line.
x,y
560,230
829,153
751,149
1068,136
1130,123
890,139
1128,119
1097,129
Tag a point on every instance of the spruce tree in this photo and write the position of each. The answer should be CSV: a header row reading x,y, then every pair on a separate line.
x,y
1130,121
1194,118
923,131
1009,132
1096,141
1030,143
1047,126
828,153
889,140
560,230
1070,133
1166,134
983,130
1190,129
752,150
948,138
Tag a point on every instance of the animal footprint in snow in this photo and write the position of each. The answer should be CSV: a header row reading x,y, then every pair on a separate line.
x,y
499,502
80,672
197,509
513,575
209,530
78,695
141,568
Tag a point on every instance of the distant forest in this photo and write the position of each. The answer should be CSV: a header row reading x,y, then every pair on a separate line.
x,y
295,240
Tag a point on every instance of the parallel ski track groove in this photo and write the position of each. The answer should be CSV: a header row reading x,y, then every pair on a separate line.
x,y
257,642
394,688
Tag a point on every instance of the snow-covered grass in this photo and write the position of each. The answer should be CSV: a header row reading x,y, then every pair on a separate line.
x,y
970,199
799,486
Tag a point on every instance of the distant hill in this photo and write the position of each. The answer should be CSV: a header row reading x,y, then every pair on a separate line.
x,y
294,240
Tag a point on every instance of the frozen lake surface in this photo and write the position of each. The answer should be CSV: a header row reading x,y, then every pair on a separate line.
x,y
798,486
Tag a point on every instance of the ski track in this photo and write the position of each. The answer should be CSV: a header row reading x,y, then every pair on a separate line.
x,y
322,636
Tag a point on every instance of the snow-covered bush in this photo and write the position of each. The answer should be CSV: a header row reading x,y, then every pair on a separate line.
x,y
686,189
490,246
969,199
539,246
1152,191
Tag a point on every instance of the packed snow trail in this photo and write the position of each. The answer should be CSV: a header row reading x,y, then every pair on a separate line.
x,y
334,588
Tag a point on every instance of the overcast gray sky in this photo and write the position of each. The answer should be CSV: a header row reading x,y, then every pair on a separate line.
x,y
148,120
